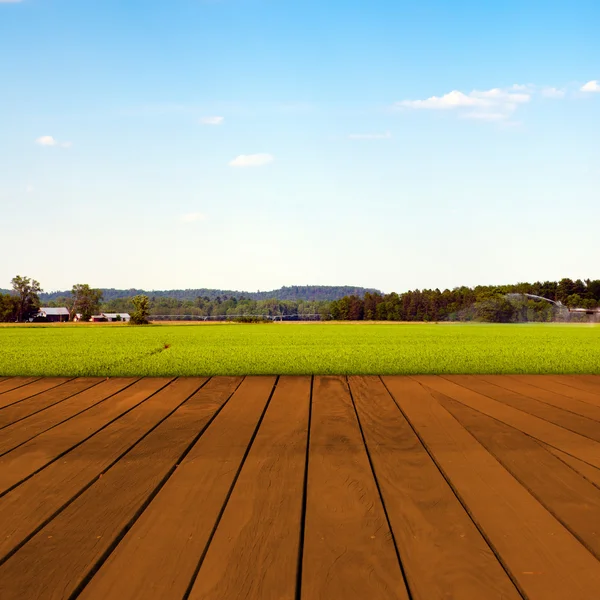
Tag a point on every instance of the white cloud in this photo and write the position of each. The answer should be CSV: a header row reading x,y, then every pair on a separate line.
x,y
370,136
591,86
488,105
192,217
454,99
551,92
212,120
252,160
29,189
46,140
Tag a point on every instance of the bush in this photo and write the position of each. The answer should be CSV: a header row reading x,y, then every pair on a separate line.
x,y
251,319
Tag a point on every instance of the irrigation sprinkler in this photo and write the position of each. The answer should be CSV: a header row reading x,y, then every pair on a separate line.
x,y
561,307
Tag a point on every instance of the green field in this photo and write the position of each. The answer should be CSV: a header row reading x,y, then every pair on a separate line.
x,y
234,349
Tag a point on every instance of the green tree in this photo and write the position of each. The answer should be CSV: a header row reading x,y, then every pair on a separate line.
x,y
85,300
26,291
142,310
495,308
9,308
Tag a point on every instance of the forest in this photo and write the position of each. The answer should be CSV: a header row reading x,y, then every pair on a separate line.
x,y
480,303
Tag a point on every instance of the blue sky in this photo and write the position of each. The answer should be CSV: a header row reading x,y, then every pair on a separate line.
x,y
249,144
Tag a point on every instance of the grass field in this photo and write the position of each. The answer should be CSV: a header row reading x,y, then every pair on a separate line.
x,y
332,348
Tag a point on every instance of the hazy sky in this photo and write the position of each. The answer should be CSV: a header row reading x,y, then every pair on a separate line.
x,y
249,144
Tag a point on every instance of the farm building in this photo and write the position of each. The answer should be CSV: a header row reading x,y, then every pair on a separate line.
x,y
117,317
53,315
98,319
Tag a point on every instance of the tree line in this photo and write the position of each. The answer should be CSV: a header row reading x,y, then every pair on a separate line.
x,y
293,293
22,303
482,303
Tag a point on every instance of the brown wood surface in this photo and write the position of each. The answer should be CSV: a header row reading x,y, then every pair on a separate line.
x,y
61,555
543,557
521,387
586,383
592,474
443,553
28,506
554,384
567,441
45,448
26,391
35,404
11,383
20,432
589,383
549,479
158,557
348,547
568,420
469,488
260,529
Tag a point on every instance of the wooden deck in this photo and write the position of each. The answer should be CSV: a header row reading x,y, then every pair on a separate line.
x,y
360,488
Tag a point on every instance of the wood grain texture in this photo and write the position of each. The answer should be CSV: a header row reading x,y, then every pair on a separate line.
x,y
568,420
572,443
58,558
45,448
22,431
348,547
592,474
28,506
573,500
589,383
27,391
549,397
11,383
43,401
254,552
158,557
443,553
586,383
543,557
118,491
554,384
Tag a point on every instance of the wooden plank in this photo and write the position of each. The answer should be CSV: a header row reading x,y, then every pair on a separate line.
x,y
57,560
573,500
25,460
20,432
543,557
159,555
592,474
31,389
35,404
587,383
443,553
348,547
554,384
567,420
254,552
12,383
29,506
520,387
572,443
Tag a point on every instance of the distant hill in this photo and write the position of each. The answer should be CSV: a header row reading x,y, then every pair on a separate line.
x,y
295,292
